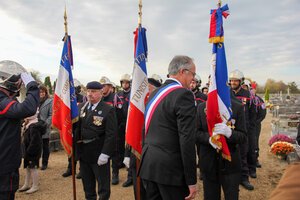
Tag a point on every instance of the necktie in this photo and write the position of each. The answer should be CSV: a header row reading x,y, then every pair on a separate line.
x,y
90,108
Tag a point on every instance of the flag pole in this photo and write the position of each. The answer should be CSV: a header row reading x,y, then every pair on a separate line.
x,y
140,13
138,178
72,153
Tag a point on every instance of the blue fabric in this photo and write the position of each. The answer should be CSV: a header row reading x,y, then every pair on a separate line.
x,y
222,75
141,50
67,62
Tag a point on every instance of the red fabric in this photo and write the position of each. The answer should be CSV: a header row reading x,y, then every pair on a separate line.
x,y
213,117
213,24
253,85
7,107
135,121
136,33
60,113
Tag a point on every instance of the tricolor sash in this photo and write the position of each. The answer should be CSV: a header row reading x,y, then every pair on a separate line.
x,y
155,101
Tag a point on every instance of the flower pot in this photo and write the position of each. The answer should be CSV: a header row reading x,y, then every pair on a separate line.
x,y
281,157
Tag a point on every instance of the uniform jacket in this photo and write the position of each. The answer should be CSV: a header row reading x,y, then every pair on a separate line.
x,y
99,125
109,99
250,112
261,111
32,140
45,114
200,97
122,103
10,126
168,154
211,162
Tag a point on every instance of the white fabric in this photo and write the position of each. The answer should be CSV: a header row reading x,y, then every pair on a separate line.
x,y
62,89
212,144
126,161
26,78
103,159
139,89
222,129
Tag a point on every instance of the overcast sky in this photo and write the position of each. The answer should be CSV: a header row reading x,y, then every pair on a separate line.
x,y
262,38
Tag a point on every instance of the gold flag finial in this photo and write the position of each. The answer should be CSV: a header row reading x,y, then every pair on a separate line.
x,y
66,23
140,13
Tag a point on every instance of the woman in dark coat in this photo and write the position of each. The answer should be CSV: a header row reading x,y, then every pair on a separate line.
x,y
32,141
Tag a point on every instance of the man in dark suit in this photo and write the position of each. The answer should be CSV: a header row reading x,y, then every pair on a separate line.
x,y
215,169
95,134
168,163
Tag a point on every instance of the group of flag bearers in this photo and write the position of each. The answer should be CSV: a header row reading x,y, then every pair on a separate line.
x,y
227,131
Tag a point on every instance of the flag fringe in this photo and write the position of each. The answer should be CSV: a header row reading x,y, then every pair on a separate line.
x,y
217,39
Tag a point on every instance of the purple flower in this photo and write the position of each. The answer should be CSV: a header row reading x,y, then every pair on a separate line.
x,y
280,137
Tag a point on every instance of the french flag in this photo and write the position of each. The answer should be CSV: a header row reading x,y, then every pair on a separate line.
x,y
65,110
218,100
139,91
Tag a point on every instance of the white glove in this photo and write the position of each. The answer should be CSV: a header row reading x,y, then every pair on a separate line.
x,y
126,161
26,78
212,144
222,129
103,159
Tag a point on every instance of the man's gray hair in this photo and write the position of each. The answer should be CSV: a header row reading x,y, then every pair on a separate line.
x,y
180,62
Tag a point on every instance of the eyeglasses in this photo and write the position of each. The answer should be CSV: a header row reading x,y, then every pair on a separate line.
x,y
193,73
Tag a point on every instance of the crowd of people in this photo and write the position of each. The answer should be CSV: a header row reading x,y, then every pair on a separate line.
x,y
175,143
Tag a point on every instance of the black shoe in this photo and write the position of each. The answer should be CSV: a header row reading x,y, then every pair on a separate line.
x,y
44,167
67,173
127,183
247,185
115,179
258,165
252,174
78,176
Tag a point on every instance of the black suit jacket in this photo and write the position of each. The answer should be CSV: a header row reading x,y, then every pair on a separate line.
x,y
211,162
168,155
99,124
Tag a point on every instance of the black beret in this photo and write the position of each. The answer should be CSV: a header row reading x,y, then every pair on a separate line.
x,y
94,85
154,82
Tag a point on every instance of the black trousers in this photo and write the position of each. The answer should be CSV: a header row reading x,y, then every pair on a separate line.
x,y
92,172
118,157
258,130
251,155
9,183
229,184
70,164
46,152
244,161
156,191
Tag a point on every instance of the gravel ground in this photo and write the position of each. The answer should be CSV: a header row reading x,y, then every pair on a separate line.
x,y
53,186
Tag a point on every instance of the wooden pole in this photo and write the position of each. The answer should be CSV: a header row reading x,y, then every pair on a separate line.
x,y
72,154
138,180
73,174
140,13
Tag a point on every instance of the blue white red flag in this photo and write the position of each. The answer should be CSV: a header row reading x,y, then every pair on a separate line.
x,y
139,91
218,100
65,110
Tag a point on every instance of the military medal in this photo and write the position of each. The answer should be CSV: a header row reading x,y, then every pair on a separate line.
x,y
97,120
99,112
